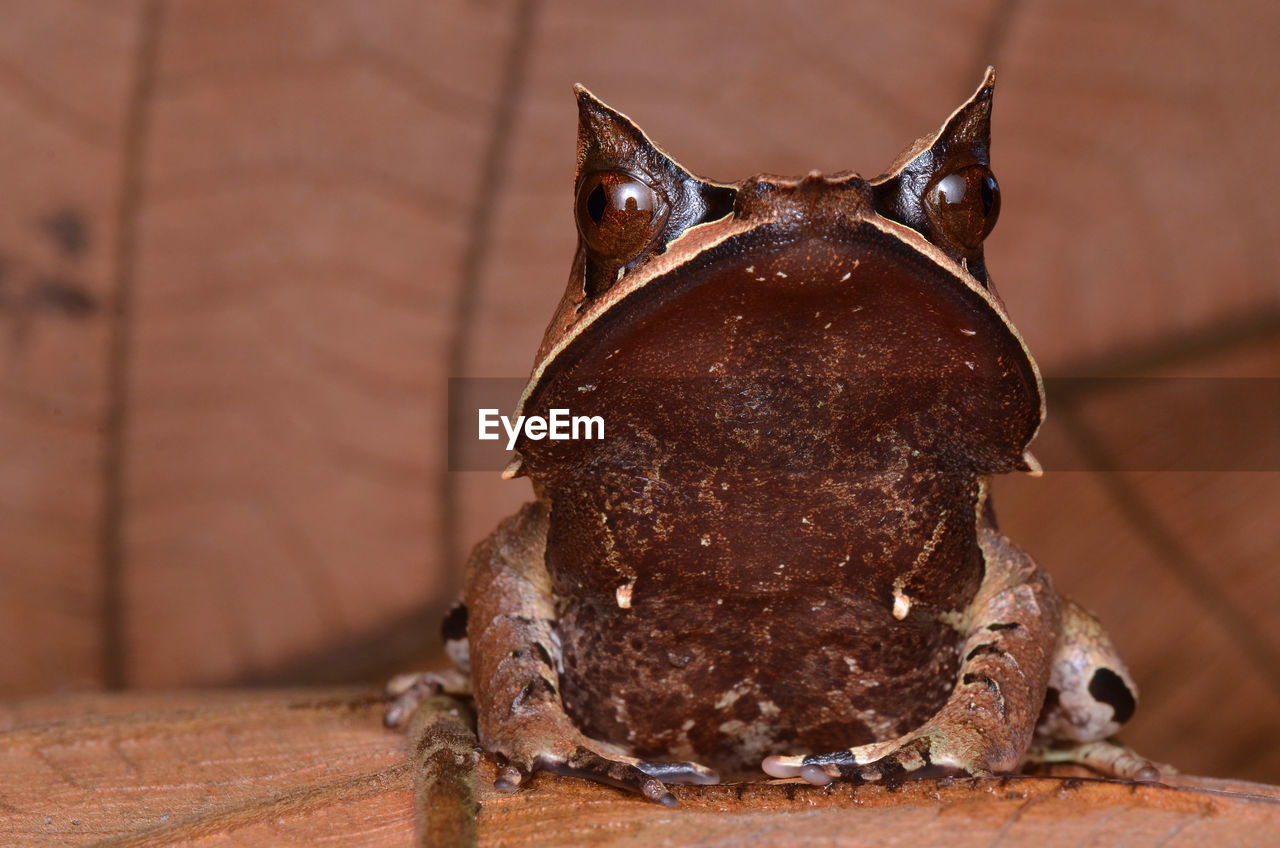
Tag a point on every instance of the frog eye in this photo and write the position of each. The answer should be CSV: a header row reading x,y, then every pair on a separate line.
x,y
619,214
964,205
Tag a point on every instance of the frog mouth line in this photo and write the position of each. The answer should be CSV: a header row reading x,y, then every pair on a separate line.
x,y
704,238
859,293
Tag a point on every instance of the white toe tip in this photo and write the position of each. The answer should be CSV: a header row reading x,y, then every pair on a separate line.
x,y
780,767
816,775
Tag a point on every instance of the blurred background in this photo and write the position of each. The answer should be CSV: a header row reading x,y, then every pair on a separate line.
x,y
244,245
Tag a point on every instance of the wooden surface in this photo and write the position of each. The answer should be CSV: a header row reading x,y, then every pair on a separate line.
x,y
245,244
262,769
315,767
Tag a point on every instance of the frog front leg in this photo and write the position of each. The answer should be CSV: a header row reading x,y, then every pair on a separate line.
x,y
987,723
515,661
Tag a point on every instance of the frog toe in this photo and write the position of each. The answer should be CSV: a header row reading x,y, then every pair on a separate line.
x,y
631,776
890,762
510,777
680,772
1105,756
404,693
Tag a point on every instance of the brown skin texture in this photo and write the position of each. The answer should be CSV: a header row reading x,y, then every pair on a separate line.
x,y
782,548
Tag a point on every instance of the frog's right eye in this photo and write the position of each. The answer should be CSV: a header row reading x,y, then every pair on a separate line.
x,y
964,205
619,215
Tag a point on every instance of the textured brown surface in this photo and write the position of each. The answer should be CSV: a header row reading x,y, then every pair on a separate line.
x,y
316,768
244,244
1049,812
232,768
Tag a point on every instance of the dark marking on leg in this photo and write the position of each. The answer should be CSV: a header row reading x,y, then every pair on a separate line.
x,y
531,690
971,678
833,758
992,686
543,654
996,628
984,648
589,764
893,774
1106,687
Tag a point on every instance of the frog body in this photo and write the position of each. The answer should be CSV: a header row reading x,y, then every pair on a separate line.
x,y
783,553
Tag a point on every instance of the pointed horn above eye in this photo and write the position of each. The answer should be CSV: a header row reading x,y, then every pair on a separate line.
x,y
605,135
615,155
968,127
970,124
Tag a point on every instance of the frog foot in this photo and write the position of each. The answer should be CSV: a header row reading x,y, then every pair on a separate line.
x,y
404,693
602,763
1103,756
891,762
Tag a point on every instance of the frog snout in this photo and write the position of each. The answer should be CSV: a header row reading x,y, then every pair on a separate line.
x,y
813,197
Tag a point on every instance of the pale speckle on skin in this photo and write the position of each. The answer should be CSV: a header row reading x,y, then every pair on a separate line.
x,y
624,594
968,332
969,364
828,326
847,275
751,269
759,279
781,274
729,698
901,601
768,708
706,541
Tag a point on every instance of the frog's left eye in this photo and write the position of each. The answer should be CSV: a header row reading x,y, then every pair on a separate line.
x,y
619,214
964,205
